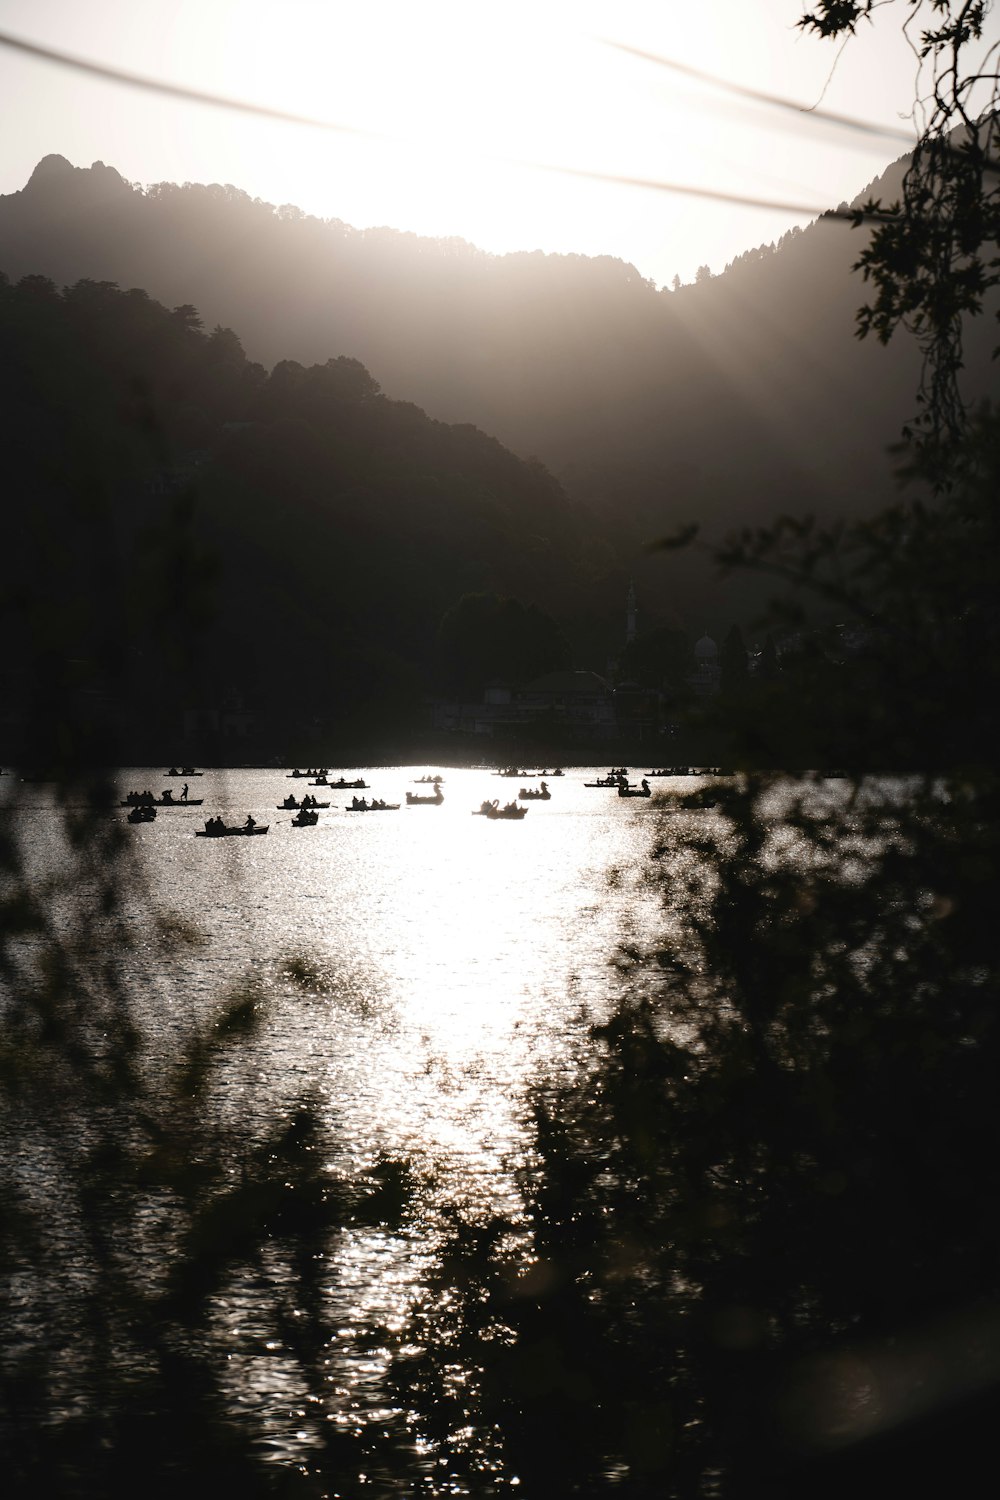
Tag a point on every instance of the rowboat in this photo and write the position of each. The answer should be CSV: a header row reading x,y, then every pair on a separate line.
x,y
222,833
305,818
164,801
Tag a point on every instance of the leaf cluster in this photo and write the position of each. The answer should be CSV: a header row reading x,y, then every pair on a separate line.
x,y
164,1253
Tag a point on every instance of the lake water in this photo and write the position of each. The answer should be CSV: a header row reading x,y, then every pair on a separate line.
x,y
451,957
452,962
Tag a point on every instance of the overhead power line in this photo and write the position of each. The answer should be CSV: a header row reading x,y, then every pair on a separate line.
x,y
775,101
264,111
178,90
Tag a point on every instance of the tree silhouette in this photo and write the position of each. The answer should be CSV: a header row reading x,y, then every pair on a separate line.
x,y
755,1253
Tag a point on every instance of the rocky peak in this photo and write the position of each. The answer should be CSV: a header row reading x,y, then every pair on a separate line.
x,y
50,170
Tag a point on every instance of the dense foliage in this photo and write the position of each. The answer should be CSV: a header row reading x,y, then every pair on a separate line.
x,y
162,1243
758,1247
758,1243
299,535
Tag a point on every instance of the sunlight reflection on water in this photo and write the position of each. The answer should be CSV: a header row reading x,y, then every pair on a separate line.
x,y
452,961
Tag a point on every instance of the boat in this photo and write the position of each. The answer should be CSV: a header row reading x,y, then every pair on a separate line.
x,y
291,805
613,778
374,806
142,815
305,818
428,780
313,771
221,833
493,810
642,790
185,772
140,799
529,794
414,800
342,785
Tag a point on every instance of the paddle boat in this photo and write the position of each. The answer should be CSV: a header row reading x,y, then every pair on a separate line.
x,y
642,790
528,794
142,815
494,810
414,800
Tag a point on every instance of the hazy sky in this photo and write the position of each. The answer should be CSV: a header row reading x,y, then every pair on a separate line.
x,y
464,90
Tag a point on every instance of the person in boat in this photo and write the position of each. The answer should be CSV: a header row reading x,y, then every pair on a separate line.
x,y
168,795
251,823
172,771
184,792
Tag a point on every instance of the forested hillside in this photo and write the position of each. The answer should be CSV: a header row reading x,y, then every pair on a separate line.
x,y
725,402
185,530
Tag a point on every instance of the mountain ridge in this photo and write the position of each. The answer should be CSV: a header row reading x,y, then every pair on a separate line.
x,y
726,402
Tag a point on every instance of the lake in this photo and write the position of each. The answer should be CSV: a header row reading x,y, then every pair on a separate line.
x,y
451,962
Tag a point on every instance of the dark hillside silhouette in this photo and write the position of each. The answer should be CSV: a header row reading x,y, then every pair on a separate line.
x,y
309,532
741,396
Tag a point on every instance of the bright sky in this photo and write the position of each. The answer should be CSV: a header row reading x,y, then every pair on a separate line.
x,y
464,91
